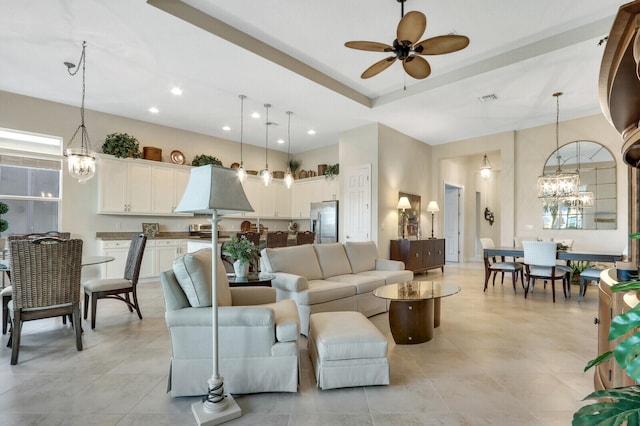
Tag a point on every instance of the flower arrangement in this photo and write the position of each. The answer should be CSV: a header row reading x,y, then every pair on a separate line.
x,y
241,249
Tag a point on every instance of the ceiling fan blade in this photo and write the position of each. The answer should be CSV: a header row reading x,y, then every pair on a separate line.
x,y
411,27
369,45
378,67
417,67
441,44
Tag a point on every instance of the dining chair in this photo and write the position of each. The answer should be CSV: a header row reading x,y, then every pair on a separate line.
x,y
277,239
305,237
254,237
6,292
495,266
540,262
118,288
46,283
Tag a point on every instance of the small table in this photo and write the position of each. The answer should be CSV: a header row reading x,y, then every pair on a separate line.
x,y
414,310
262,280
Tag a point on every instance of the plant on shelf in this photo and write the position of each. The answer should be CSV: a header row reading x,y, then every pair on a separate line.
x,y
242,250
332,171
619,405
121,145
4,209
203,160
294,165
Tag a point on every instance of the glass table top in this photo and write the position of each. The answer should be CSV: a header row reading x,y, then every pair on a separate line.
x,y
416,290
249,278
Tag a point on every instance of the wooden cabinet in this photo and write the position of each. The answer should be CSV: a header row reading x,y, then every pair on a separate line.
x,y
419,255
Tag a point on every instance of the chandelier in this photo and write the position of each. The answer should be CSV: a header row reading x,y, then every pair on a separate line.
x,y
81,161
485,168
560,185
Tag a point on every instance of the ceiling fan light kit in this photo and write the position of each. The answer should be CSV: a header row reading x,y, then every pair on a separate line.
x,y
406,46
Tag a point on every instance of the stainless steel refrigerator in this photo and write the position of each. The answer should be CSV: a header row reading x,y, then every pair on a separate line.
x,y
324,221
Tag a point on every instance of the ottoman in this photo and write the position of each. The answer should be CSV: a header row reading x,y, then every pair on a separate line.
x,y
346,350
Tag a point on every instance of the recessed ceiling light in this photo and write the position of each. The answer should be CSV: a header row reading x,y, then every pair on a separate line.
x,y
226,128
311,132
176,91
255,115
280,141
154,110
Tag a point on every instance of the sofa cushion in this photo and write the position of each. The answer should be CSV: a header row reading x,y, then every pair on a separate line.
x,y
362,255
390,277
332,259
363,283
321,291
297,260
193,273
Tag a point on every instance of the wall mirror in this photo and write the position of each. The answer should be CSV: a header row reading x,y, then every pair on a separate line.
x,y
597,169
411,216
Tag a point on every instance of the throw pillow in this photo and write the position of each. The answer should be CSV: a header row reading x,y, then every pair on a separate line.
x,y
333,260
362,255
193,273
297,260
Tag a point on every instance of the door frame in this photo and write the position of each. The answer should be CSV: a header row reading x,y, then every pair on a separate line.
x,y
455,212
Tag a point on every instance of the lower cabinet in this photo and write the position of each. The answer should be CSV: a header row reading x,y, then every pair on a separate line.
x,y
419,255
158,256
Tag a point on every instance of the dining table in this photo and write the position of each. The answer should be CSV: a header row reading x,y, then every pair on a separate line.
x,y
569,256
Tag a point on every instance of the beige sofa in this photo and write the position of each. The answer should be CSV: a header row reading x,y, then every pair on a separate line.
x,y
331,277
257,336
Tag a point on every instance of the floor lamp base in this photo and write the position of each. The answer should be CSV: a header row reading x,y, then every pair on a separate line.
x,y
206,418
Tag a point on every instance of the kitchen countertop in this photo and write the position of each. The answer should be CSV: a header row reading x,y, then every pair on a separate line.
x,y
112,236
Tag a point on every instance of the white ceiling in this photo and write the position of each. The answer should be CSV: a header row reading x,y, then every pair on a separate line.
x,y
521,51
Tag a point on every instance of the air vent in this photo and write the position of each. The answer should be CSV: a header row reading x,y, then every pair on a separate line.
x,y
488,98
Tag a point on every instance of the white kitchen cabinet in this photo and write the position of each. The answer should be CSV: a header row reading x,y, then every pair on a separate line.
x,y
282,199
252,187
168,185
158,256
266,201
118,250
301,199
124,186
166,251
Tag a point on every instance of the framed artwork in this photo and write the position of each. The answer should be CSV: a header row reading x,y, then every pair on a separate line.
x,y
150,229
412,216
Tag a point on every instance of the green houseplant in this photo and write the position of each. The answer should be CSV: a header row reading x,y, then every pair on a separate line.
x,y
332,171
294,165
4,225
121,145
203,160
243,251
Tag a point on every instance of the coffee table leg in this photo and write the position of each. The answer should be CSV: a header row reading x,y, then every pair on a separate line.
x,y
436,312
411,322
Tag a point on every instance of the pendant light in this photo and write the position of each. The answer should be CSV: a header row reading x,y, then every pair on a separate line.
x,y
560,185
266,174
485,168
288,177
242,174
81,161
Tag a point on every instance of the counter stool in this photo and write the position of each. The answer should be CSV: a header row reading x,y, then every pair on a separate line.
x,y
585,276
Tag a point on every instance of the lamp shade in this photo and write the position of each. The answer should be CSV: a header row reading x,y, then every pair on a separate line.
x,y
433,207
214,188
404,203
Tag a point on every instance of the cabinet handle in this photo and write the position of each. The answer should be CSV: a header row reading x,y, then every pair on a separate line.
x,y
417,254
596,321
428,253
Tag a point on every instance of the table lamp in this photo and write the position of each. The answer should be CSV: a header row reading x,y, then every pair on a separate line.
x,y
433,208
403,204
217,191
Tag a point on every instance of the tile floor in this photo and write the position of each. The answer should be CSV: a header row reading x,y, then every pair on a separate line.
x,y
497,359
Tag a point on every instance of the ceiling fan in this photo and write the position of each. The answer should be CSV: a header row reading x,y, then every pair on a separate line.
x,y
405,46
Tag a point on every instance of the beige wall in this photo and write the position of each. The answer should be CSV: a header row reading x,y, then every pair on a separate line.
x,y
311,159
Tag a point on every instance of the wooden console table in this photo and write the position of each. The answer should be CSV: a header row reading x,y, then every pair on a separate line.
x,y
419,255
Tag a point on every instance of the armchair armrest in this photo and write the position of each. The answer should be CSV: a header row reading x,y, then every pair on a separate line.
x,y
389,265
289,282
228,316
252,295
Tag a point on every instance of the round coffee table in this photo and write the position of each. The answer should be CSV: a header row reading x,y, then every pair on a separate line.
x,y
262,280
415,308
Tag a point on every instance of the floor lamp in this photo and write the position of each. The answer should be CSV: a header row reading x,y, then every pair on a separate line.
x,y
216,191
403,204
433,208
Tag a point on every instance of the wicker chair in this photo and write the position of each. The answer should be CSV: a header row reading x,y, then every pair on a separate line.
x,y
540,262
46,282
118,288
306,237
254,237
6,292
277,239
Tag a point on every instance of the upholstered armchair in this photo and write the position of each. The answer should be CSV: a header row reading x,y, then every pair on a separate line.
x,y
258,338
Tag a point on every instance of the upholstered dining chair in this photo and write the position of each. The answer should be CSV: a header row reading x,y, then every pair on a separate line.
x,y
305,237
46,283
277,239
118,288
540,262
6,292
495,266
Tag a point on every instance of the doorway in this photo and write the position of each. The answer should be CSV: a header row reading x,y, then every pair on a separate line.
x,y
452,227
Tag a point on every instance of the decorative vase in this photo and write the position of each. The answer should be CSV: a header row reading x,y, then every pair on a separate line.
x,y
241,268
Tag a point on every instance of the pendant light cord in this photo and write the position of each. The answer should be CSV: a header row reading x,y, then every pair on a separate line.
x,y
85,143
242,98
289,136
557,96
266,140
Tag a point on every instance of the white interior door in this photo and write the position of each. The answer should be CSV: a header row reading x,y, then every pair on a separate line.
x,y
452,222
357,203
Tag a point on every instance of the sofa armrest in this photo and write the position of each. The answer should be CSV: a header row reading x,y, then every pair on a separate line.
x,y
389,265
228,316
289,282
252,295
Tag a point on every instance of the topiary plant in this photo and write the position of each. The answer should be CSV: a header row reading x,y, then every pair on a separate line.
x,y
203,160
4,225
121,145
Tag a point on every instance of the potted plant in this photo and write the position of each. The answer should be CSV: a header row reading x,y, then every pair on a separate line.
x,y
121,145
332,171
203,160
294,165
4,225
244,252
